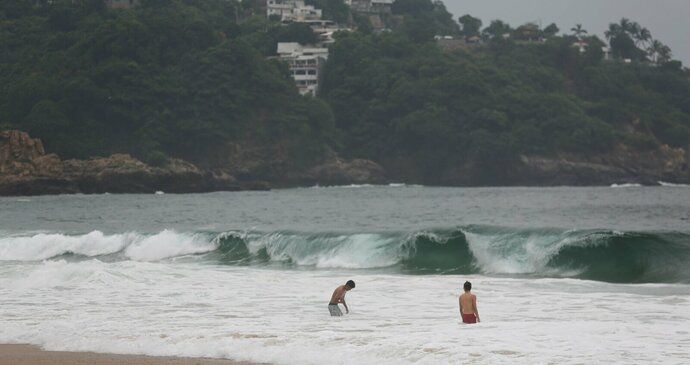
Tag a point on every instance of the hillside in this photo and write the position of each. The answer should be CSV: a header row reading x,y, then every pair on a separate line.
x,y
190,80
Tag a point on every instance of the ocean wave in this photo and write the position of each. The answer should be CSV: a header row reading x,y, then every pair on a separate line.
x,y
674,185
358,186
132,246
604,255
627,185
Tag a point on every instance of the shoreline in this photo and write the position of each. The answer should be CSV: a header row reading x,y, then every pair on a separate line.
x,y
23,354
267,187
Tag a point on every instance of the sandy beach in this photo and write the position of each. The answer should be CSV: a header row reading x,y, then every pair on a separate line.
x,y
33,355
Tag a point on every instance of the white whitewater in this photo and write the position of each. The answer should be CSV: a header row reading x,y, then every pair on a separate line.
x,y
626,185
134,246
247,275
674,185
280,317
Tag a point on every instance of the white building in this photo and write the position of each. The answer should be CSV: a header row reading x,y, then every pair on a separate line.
x,y
608,53
305,63
292,10
581,45
324,29
382,6
371,6
279,8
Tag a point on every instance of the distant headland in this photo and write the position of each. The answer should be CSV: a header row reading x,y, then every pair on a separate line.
x,y
147,95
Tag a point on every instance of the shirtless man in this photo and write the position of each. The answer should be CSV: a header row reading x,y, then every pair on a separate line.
x,y
339,297
468,305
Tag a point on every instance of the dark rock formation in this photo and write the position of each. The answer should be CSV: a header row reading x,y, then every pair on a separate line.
x,y
25,169
276,163
622,165
341,172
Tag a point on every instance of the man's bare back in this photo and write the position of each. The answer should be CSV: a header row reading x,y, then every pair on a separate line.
x,y
468,305
467,301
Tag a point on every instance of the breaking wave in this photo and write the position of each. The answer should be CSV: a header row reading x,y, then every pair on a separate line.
x,y
604,255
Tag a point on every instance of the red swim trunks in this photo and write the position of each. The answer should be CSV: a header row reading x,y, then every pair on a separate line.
x,y
469,318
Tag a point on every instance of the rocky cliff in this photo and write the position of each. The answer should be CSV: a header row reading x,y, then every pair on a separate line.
x,y
620,166
26,169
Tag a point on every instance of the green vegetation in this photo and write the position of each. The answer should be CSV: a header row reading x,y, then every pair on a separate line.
x,y
398,99
335,10
173,77
184,77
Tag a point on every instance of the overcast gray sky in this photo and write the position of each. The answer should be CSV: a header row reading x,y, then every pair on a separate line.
x,y
668,20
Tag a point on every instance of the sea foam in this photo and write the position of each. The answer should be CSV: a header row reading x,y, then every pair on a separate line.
x,y
280,316
135,246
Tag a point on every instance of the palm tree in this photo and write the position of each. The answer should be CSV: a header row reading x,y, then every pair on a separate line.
x,y
578,31
659,52
635,29
644,36
613,31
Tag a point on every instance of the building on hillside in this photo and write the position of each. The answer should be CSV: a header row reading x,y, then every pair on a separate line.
x,y
529,32
305,12
608,53
121,4
305,64
279,8
320,23
382,6
581,45
324,29
359,5
371,6
292,10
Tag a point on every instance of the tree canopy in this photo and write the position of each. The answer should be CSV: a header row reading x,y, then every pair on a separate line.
x,y
172,77
182,78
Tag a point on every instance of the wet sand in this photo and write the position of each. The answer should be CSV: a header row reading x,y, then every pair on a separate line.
x,y
32,355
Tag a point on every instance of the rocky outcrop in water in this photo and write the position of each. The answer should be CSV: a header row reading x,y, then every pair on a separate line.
x,y
276,163
342,172
620,166
25,169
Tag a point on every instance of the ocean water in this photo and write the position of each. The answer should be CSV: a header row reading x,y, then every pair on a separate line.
x,y
562,275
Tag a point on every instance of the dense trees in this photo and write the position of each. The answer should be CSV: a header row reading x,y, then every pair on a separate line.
x,y
497,30
405,100
169,77
471,26
335,10
630,40
182,78
424,19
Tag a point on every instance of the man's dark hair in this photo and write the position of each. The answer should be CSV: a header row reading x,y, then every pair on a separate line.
x,y
467,286
350,284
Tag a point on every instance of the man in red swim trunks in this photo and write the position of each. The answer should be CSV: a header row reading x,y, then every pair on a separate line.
x,y
468,305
